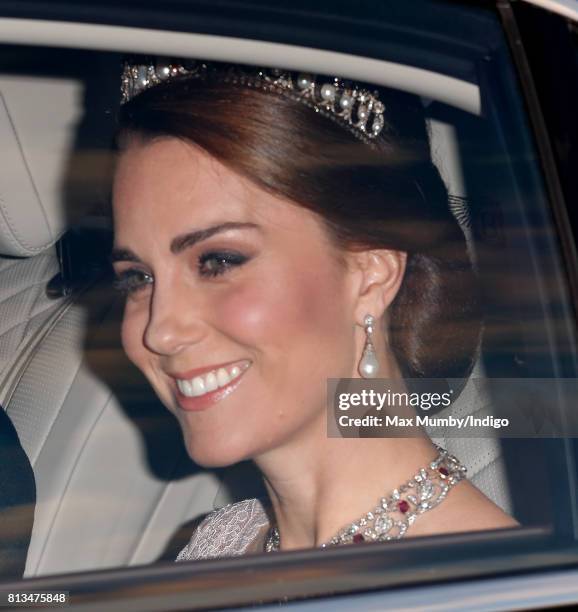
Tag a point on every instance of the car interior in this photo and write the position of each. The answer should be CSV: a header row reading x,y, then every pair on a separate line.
x,y
114,484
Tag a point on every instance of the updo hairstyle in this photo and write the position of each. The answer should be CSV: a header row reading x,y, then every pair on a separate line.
x,y
384,196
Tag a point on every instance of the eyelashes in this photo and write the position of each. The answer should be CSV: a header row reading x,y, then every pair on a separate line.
x,y
210,265
215,263
130,281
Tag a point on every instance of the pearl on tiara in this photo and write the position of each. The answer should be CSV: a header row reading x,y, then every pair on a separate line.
x,y
351,105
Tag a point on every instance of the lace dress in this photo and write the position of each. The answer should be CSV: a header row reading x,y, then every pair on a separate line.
x,y
231,531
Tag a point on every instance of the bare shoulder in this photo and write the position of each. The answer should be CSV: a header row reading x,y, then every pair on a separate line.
x,y
466,508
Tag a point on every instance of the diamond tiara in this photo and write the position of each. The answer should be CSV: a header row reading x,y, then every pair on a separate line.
x,y
354,107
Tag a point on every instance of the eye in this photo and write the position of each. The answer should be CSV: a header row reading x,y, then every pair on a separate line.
x,y
130,281
214,263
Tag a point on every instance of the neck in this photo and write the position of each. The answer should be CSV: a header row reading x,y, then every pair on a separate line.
x,y
331,482
319,484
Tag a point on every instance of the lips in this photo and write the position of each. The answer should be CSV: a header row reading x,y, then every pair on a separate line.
x,y
199,388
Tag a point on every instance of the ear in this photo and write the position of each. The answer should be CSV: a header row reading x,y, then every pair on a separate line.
x,y
379,274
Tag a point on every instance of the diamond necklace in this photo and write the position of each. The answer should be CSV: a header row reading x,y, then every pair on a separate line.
x,y
393,515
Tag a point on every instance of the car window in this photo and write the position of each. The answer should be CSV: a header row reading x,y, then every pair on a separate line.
x,y
115,488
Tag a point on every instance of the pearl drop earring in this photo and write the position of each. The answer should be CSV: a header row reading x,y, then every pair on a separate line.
x,y
368,365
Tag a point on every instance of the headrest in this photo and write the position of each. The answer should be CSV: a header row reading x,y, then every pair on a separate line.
x,y
38,118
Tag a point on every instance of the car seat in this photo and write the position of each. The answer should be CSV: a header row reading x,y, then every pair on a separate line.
x,y
111,490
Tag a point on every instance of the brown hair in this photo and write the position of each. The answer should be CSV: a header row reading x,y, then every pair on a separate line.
x,y
385,196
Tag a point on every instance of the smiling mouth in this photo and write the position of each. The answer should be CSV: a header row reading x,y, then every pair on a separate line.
x,y
211,380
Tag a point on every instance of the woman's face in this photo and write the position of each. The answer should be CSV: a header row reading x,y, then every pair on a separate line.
x,y
237,309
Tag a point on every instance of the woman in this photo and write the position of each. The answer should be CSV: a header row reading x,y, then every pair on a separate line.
x,y
274,230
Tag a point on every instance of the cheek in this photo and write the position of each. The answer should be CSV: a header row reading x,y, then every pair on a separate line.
x,y
286,306
249,313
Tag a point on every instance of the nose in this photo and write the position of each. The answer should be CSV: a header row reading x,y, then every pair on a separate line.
x,y
174,322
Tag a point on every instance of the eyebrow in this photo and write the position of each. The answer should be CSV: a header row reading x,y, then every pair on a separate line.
x,y
184,241
123,255
180,243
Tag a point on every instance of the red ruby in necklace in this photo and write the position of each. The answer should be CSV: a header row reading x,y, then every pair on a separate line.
x,y
358,537
403,506
443,472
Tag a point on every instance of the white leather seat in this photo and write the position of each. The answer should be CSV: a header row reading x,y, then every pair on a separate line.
x,y
482,456
102,499
113,480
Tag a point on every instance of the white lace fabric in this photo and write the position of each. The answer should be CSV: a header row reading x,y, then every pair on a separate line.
x,y
227,532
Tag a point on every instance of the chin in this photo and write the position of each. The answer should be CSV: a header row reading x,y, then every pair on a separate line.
x,y
215,454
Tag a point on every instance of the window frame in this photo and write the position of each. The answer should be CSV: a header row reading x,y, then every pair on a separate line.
x,y
283,577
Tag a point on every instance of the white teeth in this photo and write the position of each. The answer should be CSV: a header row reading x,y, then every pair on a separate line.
x,y
210,381
198,386
185,387
223,377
